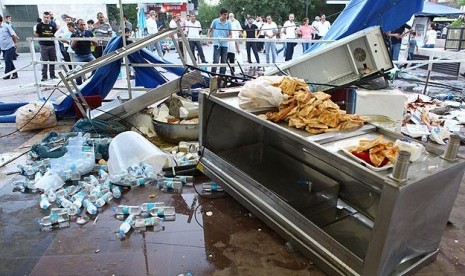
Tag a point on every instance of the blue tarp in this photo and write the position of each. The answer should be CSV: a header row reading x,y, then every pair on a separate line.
x,y
432,9
7,111
361,14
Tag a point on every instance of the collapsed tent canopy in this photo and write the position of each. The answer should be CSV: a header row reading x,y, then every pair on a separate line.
x,y
432,9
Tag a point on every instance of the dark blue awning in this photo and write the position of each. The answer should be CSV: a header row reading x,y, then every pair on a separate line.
x,y
432,9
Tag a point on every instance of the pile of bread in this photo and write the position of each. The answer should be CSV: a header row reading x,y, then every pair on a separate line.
x,y
314,112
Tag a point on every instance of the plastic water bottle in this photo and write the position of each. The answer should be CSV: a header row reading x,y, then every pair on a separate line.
x,y
211,187
152,221
127,210
56,226
78,198
61,193
90,207
51,195
146,207
71,208
53,218
106,198
71,190
44,204
171,186
142,181
103,174
93,180
126,226
85,186
58,211
116,191
162,211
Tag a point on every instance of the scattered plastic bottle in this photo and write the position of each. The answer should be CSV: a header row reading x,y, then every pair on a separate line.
x,y
52,197
44,203
85,186
58,211
163,211
71,190
106,198
61,193
103,174
126,226
142,181
78,198
127,210
171,186
93,180
53,218
72,209
444,96
152,221
56,226
211,187
90,207
146,207
116,191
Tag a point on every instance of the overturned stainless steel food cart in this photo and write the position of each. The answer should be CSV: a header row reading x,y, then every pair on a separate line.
x,y
347,218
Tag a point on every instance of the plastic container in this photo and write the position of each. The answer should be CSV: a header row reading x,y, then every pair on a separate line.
x,y
130,148
414,148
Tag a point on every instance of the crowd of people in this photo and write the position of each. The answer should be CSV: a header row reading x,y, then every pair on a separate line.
x,y
226,25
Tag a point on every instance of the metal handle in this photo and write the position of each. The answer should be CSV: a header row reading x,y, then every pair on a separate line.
x,y
401,166
452,147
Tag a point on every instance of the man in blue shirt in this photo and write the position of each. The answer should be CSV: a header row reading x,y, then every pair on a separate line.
x,y
220,28
7,45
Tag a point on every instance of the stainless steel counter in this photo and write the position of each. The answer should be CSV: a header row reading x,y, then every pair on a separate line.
x,y
345,217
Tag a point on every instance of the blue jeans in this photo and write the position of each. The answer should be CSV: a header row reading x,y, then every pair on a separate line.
x,y
82,58
305,47
8,56
270,47
220,55
395,51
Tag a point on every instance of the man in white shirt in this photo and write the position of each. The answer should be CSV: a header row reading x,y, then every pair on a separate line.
x,y
323,26
152,28
271,30
173,25
314,24
288,31
193,30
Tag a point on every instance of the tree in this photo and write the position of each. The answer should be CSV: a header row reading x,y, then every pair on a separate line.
x,y
206,15
280,9
129,10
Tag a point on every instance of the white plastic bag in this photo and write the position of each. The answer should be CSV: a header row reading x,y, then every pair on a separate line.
x,y
130,148
45,117
49,181
260,92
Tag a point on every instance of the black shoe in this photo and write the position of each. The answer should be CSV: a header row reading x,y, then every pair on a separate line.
x,y
53,77
43,79
15,76
6,78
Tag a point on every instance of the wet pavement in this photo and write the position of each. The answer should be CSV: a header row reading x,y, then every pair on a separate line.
x,y
229,242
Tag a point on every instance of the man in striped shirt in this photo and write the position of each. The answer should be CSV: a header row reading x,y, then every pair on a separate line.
x,y
101,29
